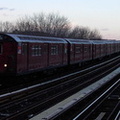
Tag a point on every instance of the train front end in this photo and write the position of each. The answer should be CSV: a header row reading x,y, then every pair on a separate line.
x,y
7,55
3,60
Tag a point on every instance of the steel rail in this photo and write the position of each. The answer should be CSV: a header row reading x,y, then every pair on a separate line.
x,y
104,94
117,116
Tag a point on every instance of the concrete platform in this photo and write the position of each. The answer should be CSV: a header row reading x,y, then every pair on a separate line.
x,y
47,114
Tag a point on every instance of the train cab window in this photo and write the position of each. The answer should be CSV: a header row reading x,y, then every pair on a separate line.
x,y
1,48
54,50
36,50
1,38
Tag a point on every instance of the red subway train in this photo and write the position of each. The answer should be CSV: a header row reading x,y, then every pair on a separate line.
x,y
24,54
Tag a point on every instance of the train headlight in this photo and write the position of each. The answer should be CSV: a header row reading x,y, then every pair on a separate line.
x,y
5,65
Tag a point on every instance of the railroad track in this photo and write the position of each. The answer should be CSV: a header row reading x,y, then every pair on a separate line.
x,y
82,105
105,107
28,101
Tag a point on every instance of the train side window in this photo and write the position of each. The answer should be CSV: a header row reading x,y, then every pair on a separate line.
x,y
78,49
1,49
24,49
54,50
36,50
85,49
39,50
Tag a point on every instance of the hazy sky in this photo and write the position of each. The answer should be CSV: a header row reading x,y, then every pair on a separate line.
x,y
103,15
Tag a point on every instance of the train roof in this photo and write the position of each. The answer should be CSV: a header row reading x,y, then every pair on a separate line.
x,y
98,42
78,41
103,41
83,41
33,39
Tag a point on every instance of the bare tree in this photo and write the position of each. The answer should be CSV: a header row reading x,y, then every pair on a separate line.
x,y
1,27
80,32
94,34
24,24
6,26
50,25
38,21
84,33
58,25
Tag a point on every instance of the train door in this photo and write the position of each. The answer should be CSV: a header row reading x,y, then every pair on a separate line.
x,y
25,55
46,55
72,53
78,53
64,54
22,58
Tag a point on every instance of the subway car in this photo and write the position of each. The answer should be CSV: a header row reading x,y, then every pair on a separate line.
x,y
25,54
79,50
